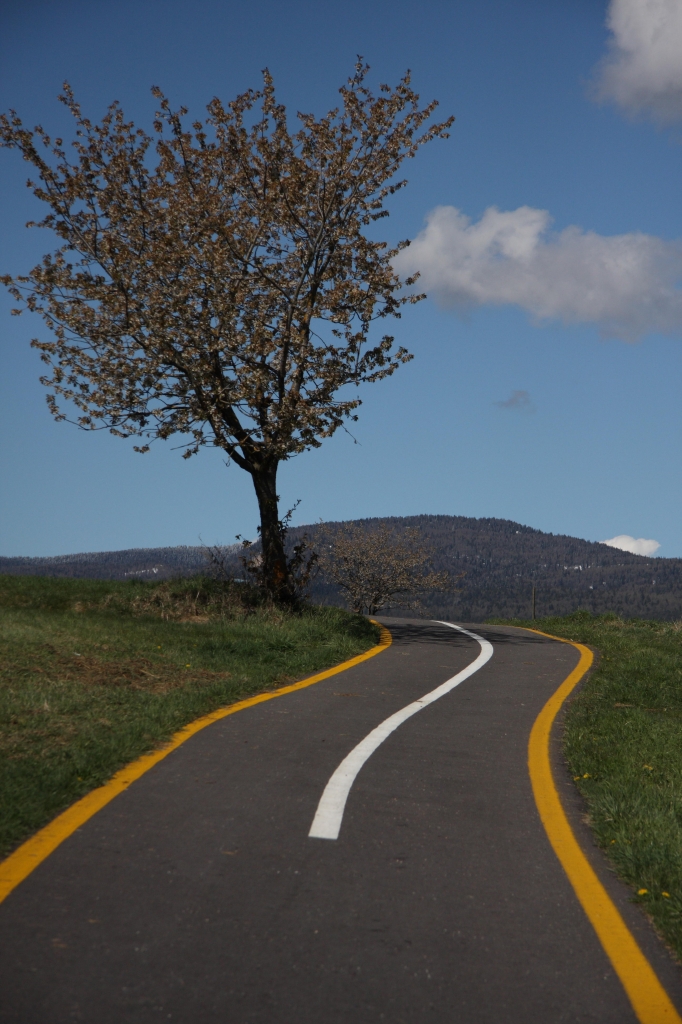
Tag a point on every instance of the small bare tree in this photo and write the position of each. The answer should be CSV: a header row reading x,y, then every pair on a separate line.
x,y
374,565
226,291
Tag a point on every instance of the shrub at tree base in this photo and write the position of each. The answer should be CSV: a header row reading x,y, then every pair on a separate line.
x,y
374,566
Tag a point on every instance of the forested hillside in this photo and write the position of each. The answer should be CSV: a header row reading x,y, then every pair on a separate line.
x,y
500,559
143,563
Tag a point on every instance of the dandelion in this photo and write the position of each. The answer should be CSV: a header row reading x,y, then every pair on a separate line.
x,y
587,775
649,767
642,892
186,666
666,894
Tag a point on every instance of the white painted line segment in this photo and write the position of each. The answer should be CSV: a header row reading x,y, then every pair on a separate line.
x,y
329,815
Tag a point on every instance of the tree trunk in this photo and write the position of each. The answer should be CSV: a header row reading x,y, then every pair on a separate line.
x,y
276,576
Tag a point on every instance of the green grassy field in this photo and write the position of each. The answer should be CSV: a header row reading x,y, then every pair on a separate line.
x,y
93,674
623,744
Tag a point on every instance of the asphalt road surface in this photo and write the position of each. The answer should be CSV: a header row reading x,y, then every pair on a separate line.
x,y
198,896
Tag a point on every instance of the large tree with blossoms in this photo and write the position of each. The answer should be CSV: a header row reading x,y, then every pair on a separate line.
x,y
215,280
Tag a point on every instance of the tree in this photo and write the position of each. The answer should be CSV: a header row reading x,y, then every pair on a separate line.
x,y
373,565
225,294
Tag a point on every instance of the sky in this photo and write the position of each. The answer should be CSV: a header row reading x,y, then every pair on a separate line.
x,y
546,381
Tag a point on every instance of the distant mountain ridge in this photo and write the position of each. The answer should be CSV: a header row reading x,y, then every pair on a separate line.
x,y
144,563
501,559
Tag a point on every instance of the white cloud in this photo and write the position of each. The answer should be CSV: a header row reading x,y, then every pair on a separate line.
x,y
642,71
637,546
626,284
519,400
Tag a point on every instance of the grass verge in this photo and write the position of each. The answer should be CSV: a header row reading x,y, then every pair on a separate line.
x,y
623,744
93,674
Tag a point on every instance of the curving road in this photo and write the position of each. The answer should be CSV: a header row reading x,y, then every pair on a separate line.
x,y
206,894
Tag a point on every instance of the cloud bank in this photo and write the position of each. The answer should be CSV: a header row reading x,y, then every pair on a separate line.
x,y
637,546
628,285
642,71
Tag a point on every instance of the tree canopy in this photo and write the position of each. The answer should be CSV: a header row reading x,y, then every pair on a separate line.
x,y
216,280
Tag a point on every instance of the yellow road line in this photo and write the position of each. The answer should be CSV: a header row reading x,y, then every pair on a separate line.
x,y
27,857
648,997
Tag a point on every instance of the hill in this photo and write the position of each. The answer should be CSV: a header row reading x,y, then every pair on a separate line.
x,y
501,561
140,563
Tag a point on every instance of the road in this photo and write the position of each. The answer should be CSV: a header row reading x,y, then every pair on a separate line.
x,y
198,896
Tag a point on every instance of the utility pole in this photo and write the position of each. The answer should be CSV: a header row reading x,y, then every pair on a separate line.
x,y
533,600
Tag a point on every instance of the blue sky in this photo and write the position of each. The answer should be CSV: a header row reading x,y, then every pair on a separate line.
x,y
583,327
